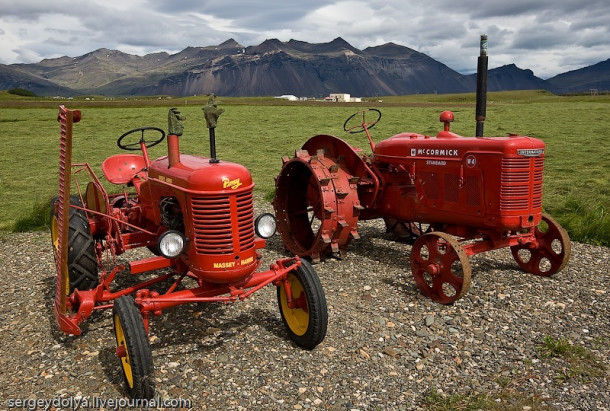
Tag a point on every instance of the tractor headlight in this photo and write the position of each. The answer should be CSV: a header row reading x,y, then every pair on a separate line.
x,y
265,225
171,243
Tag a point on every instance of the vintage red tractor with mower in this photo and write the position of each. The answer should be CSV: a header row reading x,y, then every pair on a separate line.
x,y
451,196
195,214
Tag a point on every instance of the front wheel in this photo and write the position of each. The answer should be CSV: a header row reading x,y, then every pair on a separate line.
x,y
549,254
440,267
306,316
133,348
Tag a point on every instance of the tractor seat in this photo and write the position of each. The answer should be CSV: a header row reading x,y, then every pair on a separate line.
x,y
122,168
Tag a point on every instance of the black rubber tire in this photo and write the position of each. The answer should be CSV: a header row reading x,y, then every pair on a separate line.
x,y
82,261
316,308
132,334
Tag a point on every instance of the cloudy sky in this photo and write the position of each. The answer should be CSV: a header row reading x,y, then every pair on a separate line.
x,y
546,36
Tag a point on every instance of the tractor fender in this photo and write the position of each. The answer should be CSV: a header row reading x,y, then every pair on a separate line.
x,y
349,158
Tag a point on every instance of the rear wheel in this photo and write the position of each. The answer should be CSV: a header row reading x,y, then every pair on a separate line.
x,y
306,321
133,348
82,261
316,205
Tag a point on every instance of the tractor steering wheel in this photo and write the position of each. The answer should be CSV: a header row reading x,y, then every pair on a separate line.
x,y
137,146
364,124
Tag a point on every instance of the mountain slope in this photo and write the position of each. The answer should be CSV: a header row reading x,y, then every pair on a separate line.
x,y
13,77
595,77
274,68
511,77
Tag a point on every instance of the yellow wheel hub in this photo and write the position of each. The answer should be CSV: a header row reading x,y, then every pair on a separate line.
x,y
297,318
120,340
55,232
55,240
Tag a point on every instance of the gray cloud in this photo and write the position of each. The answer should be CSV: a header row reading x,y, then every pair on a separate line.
x,y
546,36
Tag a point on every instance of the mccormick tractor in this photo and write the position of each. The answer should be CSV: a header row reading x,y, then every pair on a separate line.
x,y
451,196
196,216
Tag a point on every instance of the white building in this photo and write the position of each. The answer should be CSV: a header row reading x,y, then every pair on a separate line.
x,y
344,98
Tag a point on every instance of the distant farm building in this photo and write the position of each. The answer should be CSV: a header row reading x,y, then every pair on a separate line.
x,y
343,98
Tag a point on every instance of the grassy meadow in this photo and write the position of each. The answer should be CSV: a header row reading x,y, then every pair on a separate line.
x,y
257,132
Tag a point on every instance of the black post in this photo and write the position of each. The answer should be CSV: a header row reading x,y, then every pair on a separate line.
x,y
481,86
213,158
211,112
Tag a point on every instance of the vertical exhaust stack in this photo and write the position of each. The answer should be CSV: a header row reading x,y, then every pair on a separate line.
x,y
175,130
211,112
481,86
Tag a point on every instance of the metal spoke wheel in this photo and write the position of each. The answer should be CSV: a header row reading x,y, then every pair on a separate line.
x,y
551,252
133,348
306,315
440,267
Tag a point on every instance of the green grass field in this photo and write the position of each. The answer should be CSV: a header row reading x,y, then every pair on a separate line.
x,y
257,132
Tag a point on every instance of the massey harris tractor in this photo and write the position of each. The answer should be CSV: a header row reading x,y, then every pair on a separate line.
x,y
450,196
195,214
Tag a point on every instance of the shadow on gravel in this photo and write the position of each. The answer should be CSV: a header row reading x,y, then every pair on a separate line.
x,y
185,330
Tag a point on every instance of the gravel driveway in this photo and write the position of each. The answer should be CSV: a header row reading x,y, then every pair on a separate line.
x,y
387,347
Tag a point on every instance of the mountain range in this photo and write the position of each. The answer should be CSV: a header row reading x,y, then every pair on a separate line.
x,y
275,68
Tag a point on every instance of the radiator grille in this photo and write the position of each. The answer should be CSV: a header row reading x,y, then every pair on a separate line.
x,y
214,223
521,184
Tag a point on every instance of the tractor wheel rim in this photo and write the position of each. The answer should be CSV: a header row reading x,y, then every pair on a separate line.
x,y
297,318
120,340
55,233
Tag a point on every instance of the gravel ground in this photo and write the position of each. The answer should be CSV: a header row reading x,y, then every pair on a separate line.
x,y
387,347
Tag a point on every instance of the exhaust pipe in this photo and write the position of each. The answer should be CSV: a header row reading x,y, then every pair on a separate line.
x,y
211,112
175,130
481,86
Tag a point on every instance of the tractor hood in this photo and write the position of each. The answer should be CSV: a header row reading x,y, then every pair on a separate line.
x,y
451,146
198,174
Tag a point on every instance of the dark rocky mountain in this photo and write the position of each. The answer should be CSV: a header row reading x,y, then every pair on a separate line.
x,y
595,77
272,68
511,77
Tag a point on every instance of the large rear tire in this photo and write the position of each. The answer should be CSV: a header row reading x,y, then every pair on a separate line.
x,y
307,321
316,205
82,261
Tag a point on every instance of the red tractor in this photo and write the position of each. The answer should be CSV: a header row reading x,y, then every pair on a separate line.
x,y
451,196
195,214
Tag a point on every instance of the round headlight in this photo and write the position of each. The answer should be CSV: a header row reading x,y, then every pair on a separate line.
x,y
265,225
171,244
